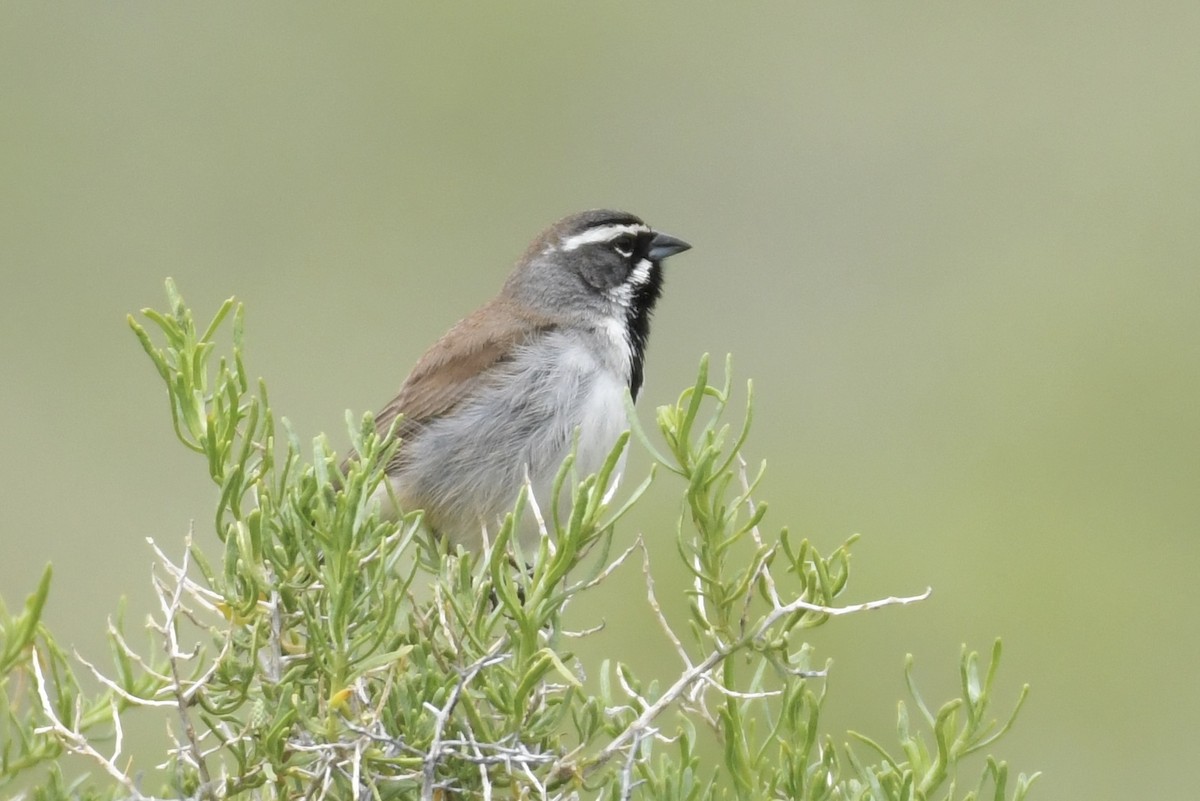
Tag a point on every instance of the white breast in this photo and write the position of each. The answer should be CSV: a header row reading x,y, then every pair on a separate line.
x,y
601,421
466,469
593,400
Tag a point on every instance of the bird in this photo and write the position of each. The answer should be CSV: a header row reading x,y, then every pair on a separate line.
x,y
543,367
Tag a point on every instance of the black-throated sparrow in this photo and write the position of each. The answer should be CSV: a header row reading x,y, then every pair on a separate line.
x,y
500,396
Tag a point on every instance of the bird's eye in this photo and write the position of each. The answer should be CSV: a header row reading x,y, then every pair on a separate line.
x,y
624,244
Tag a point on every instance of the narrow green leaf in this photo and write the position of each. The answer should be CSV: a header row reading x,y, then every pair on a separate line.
x,y
22,636
217,319
639,433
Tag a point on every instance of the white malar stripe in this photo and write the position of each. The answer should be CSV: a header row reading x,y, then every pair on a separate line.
x,y
622,294
604,233
640,274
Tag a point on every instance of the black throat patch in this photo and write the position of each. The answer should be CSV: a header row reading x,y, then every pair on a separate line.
x,y
637,319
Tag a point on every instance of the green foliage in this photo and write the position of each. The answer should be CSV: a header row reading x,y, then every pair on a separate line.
x,y
334,653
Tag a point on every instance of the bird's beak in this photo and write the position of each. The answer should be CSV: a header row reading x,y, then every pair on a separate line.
x,y
664,245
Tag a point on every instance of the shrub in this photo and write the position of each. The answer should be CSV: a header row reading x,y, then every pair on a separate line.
x,y
330,653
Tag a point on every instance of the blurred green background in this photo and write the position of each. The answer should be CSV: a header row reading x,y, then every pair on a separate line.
x,y
955,246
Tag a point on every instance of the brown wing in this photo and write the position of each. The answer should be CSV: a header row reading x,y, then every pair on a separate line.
x,y
446,374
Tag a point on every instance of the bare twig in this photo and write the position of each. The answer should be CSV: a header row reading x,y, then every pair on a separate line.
x,y
171,634
75,741
117,689
772,591
607,571
205,597
132,655
717,656
627,783
654,605
531,499
442,716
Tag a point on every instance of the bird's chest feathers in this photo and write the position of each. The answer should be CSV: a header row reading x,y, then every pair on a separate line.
x,y
601,419
585,380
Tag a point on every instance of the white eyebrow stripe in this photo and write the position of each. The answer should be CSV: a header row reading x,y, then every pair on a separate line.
x,y
604,233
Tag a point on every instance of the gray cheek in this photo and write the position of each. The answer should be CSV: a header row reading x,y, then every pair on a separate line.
x,y
606,271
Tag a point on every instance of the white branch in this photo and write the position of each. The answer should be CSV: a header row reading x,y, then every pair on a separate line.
x,y
654,605
696,673
170,613
607,571
117,689
73,740
443,716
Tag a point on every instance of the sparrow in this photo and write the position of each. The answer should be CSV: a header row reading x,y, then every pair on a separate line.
x,y
542,367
